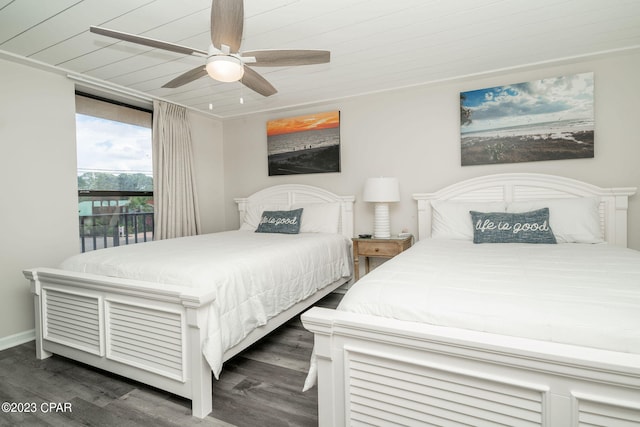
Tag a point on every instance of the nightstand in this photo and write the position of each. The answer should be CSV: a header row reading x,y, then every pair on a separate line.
x,y
377,248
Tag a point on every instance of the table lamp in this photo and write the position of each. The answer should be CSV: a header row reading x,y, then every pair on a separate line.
x,y
381,191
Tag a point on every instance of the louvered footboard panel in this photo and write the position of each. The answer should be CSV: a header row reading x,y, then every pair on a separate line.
x,y
384,391
145,337
594,411
150,333
72,319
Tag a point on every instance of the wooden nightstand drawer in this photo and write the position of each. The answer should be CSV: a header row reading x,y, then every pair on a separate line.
x,y
377,249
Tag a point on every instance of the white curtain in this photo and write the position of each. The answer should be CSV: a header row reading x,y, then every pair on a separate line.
x,y
174,193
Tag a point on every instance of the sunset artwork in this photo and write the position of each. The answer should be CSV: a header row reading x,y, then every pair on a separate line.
x,y
304,144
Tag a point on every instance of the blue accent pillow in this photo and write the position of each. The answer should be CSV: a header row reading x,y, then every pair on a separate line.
x,y
504,227
287,222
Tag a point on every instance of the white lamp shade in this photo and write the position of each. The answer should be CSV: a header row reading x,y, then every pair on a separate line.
x,y
225,68
381,189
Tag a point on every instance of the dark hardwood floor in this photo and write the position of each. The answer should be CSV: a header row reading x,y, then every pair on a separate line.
x,y
260,387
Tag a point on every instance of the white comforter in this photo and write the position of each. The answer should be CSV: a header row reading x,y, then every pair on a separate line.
x,y
255,275
582,294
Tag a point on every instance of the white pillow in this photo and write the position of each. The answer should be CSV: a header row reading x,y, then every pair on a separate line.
x,y
319,217
253,214
571,220
452,220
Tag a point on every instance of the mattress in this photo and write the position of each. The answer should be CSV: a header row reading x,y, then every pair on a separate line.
x,y
255,275
579,294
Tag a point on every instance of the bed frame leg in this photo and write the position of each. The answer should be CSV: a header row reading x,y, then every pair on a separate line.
x,y
201,404
201,382
41,353
331,398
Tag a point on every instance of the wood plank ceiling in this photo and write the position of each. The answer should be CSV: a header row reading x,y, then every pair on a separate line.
x,y
375,45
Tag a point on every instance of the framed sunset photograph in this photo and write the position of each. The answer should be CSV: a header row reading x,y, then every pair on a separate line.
x,y
548,119
304,144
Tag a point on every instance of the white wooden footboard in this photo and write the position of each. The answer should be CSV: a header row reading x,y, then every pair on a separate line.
x,y
377,371
150,334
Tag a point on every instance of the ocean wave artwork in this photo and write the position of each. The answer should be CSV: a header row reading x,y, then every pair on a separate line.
x,y
304,144
547,119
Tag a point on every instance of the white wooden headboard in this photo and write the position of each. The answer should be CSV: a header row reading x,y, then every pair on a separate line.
x,y
513,187
289,194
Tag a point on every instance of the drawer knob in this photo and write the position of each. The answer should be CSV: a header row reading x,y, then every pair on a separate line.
x,y
377,249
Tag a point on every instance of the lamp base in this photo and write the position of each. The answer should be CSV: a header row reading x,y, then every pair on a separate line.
x,y
381,227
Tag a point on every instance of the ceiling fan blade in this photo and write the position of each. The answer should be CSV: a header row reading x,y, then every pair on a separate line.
x,y
287,57
227,21
187,77
146,41
256,82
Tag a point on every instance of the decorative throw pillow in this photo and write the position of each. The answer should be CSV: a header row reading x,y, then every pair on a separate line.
x,y
450,219
503,227
253,214
287,222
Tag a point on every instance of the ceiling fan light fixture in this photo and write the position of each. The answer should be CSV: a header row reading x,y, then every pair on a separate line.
x,y
225,68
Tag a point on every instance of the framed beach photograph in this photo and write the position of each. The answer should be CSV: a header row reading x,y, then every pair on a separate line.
x,y
548,119
304,144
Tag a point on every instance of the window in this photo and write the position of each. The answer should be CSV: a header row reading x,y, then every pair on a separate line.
x,y
115,173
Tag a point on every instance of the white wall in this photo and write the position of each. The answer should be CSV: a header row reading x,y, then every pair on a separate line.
x,y
38,181
414,134
206,134
39,214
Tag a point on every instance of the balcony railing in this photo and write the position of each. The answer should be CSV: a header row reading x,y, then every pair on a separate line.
x,y
115,229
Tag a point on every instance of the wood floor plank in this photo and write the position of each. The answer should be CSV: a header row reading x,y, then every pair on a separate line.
x,y
55,379
17,394
260,387
271,396
170,409
285,350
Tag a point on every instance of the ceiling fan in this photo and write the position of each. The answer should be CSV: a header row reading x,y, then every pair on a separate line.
x,y
224,60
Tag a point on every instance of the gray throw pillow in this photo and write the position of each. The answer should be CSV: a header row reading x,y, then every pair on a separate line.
x,y
504,227
287,222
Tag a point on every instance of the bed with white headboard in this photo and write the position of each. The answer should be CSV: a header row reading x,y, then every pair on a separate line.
x,y
452,332
168,313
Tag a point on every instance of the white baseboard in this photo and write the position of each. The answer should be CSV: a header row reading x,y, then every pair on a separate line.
x,y
17,339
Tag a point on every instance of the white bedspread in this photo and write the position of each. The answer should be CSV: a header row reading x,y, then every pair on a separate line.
x,y
255,275
582,294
